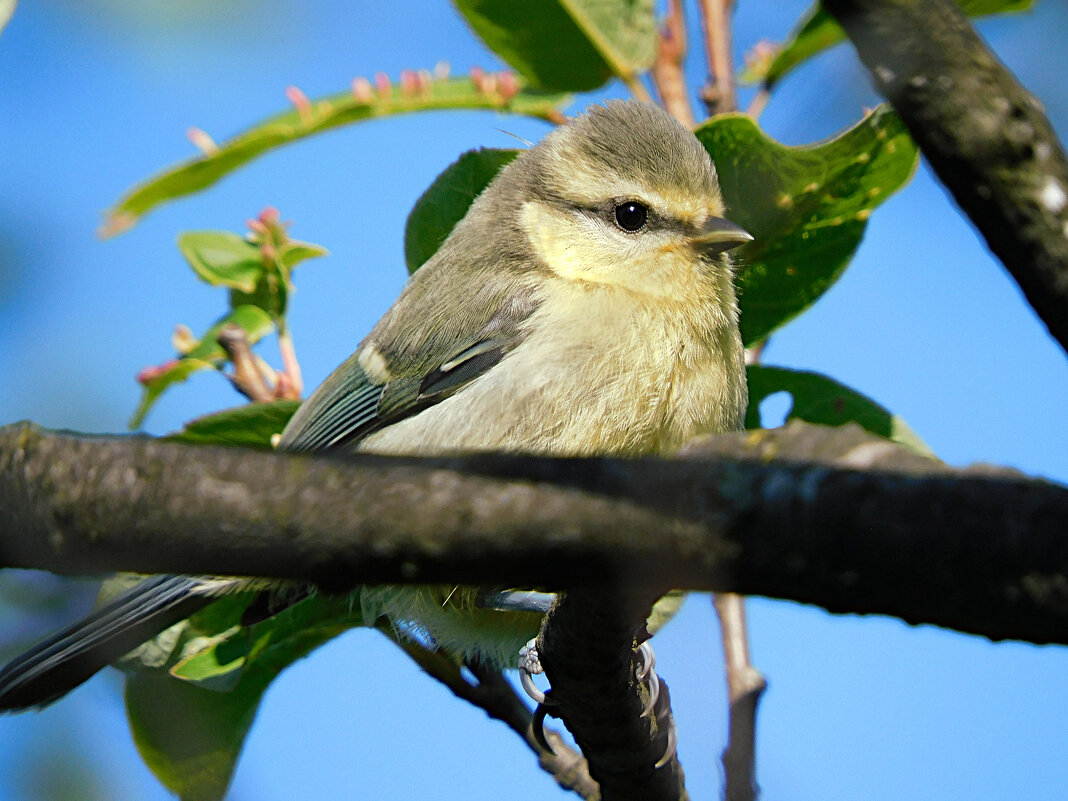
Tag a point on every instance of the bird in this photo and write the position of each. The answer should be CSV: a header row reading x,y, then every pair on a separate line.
x,y
585,305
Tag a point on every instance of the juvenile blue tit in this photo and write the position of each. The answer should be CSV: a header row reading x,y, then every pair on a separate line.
x,y
584,306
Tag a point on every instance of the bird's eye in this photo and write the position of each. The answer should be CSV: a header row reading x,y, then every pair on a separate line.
x,y
631,215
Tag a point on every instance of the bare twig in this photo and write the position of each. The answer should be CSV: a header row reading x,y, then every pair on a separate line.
x,y
290,369
718,94
667,73
758,103
246,377
496,697
744,688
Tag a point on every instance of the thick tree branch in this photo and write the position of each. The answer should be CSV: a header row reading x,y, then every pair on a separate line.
x,y
859,525
985,136
587,647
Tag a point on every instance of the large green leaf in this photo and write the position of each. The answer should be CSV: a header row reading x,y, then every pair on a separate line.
x,y
807,207
446,202
251,426
190,722
817,30
321,115
567,45
206,354
823,401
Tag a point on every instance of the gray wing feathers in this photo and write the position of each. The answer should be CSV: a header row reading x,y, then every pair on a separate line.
x,y
70,656
343,409
350,405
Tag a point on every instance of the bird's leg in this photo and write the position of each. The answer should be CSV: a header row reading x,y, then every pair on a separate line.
x,y
644,672
530,666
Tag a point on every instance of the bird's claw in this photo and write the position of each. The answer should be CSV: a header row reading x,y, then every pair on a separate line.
x,y
530,665
644,672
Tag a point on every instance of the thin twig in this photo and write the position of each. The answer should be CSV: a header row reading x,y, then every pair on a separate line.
x,y
495,696
290,368
744,688
718,94
758,103
246,377
744,682
667,73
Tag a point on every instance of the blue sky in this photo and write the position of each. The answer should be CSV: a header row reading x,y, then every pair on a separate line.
x,y
97,95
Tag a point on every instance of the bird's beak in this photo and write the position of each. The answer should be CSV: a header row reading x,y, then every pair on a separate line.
x,y
719,234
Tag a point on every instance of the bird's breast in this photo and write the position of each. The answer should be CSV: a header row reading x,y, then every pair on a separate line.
x,y
596,375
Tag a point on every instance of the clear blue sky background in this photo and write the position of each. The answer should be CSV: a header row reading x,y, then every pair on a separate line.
x,y
96,95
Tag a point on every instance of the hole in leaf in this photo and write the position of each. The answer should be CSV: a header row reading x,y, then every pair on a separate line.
x,y
775,408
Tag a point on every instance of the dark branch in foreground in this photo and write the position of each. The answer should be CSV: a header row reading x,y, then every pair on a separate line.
x,y
833,517
586,647
986,136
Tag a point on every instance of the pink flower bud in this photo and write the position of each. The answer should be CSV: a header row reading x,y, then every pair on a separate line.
x,y
362,91
300,101
202,141
149,374
383,85
507,85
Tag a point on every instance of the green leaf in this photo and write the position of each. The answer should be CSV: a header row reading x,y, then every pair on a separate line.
x,y
323,114
223,259
807,207
817,30
190,737
190,724
567,45
206,354
293,253
249,426
823,401
446,202
7,8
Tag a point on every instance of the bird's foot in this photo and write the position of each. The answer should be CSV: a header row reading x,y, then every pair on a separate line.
x,y
644,672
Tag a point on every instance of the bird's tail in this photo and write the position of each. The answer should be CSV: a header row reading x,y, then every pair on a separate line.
x,y
61,662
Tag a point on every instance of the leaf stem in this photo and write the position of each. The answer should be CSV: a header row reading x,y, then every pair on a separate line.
x,y
290,364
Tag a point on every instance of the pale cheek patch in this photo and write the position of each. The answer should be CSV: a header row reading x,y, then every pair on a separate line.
x,y
373,364
556,242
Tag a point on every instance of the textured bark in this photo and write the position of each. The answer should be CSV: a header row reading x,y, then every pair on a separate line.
x,y
985,136
833,517
586,647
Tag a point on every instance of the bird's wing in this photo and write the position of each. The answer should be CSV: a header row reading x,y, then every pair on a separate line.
x,y
68,657
352,404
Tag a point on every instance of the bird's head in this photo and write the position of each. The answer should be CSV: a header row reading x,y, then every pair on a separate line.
x,y
626,196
